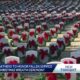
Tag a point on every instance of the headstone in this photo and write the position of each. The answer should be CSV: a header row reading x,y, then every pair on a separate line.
x,y
69,76
31,56
12,75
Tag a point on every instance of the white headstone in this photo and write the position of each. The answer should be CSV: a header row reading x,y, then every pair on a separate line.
x,y
12,76
73,76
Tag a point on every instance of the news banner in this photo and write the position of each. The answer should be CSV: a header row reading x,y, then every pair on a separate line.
x,y
55,68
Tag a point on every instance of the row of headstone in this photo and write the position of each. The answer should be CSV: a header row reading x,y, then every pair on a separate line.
x,y
31,6
50,76
61,43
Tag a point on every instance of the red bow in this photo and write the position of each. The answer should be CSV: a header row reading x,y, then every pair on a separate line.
x,y
1,29
32,43
30,59
76,25
39,30
11,33
16,39
51,76
60,43
43,54
46,35
8,52
70,62
52,32
57,29
77,59
24,37
67,39
10,19
40,40
6,22
64,19
70,34
79,24
53,49
13,62
1,36
18,30
61,25
74,31
45,27
15,75
31,33
68,75
22,49
2,45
